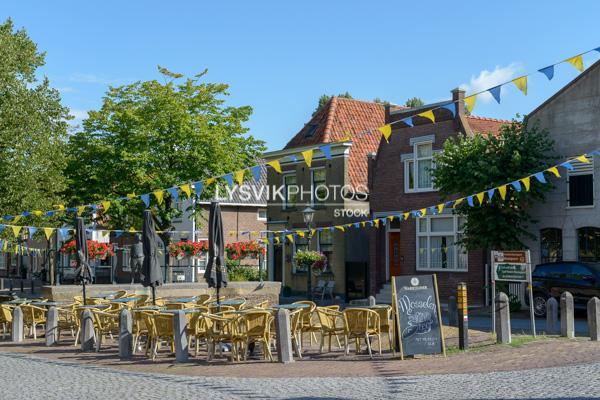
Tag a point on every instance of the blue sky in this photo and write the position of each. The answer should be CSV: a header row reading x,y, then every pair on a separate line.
x,y
280,56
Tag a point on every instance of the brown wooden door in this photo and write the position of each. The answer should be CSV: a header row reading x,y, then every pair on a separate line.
x,y
394,253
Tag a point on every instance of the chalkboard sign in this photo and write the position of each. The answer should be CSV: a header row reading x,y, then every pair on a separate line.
x,y
417,310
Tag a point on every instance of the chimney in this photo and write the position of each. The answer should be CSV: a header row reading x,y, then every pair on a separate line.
x,y
371,157
458,96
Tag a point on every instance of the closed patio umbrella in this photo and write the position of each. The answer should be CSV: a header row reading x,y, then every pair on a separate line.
x,y
83,273
151,272
216,271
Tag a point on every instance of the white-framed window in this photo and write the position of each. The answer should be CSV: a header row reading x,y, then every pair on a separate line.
x,y
318,186
261,214
437,243
289,201
417,169
580,191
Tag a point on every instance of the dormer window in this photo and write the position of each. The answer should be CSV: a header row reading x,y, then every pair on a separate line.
x,y
310,131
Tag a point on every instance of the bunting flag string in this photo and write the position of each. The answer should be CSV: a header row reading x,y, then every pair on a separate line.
x,y
308,154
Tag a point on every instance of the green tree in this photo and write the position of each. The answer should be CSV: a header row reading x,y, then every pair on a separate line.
x,y
33,130
414,102
325,98
151,135
471,164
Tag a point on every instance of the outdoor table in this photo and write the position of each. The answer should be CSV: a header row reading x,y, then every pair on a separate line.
x,y
19,301
181,300
185,310
104,296
100,306
377,306
126,300
48,303
291,306
232,302
148,308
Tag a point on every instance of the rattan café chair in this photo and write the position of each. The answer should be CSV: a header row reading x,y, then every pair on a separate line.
x,y
361,323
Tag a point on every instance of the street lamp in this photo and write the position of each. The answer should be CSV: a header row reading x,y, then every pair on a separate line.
x,y
308,214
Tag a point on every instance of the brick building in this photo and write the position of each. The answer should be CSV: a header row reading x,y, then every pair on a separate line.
x,y
342,123
399,180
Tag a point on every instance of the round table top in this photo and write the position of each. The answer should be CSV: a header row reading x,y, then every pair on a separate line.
x,y
148,308
103,295
291,306
232,302
185,311
182,300
48,303
379,306
126,300
19,301
95,306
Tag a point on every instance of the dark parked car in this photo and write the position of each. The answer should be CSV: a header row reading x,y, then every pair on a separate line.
x,y
581,279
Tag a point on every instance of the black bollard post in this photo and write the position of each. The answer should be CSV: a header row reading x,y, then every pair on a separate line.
x,y
463,316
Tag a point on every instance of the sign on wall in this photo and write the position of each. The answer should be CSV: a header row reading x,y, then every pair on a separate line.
x,y
417,314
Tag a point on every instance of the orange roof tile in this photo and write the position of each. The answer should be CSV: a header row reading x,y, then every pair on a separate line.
x,y
486,125
341,116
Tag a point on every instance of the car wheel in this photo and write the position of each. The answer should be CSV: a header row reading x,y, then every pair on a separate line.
x,y
539,305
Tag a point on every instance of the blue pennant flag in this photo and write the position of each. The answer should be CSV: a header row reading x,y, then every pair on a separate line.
x,y
470,201
548,71
540,177
293,158
491,193
567,165
146,199
198,187
50,213
25,214
256,172
118,233
8,217
88,231
72,209
331,228
2,227
433,210
174,193
449,204
32,230
295,236
516,185
408,121
495,91
595,153
383,221
356,225
64,232
270,239
229,179
326,149
416,213
451,107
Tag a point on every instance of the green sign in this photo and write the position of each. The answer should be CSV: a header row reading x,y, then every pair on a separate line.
x,y
511,272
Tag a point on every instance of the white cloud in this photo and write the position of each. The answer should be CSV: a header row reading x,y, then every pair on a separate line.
x,y
488,79
66,89
90,78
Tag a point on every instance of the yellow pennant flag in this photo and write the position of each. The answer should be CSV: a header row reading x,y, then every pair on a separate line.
x,y
363,224
429,115
276,239
458,201
38,213
17,219
521,83
48,232
16,230
290,238
480,197
440,208
391,217
583,159
340,227
61,207
210,181
239,176
186,189
105,233
312,232
386,131
406,215
300,233
308,155
502,190
554,170
470,103
80,210
105,205
577,62
159,196
275,164
5,246
132,229
526,182
423,211
376,222
131,196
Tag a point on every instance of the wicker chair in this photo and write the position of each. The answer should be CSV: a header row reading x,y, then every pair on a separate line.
x,y
332,324
160,328
120,294
204,299
361,323
386,324
309,323
255,326
5,319
223,328
105,323
32,317
68,320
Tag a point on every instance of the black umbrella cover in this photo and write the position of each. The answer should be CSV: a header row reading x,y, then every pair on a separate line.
x,y
151,271
83,274
216,271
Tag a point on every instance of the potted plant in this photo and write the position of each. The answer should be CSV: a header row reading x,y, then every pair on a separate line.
x,y
306,259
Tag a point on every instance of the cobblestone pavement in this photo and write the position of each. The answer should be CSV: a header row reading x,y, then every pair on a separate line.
x,y
28,377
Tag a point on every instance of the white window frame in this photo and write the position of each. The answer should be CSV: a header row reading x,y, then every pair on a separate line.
x,y
313,203
285,205
412,158
258,217
428,234
580,168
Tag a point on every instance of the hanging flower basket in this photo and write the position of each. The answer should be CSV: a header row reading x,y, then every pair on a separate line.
x,y
96,250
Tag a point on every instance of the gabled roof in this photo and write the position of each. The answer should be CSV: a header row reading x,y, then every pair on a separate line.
x,y
486,125
338,117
